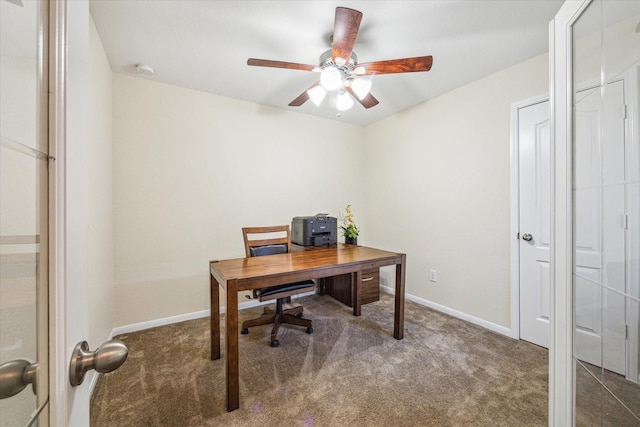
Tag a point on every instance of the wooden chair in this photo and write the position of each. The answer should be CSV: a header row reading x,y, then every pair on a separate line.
x,y
270,245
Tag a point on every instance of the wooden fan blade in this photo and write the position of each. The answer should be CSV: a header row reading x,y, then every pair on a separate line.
x,y
368,101
280,64
303,97
406,65
345,31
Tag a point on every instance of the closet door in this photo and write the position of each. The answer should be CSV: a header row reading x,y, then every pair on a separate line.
x,y
599,227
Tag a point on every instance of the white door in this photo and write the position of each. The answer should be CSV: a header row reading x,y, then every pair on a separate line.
x,y
70,404
599,227
24,365
534,215
43,210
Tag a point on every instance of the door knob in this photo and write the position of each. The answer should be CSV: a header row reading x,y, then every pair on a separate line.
x,y
106,358
15,376
527,237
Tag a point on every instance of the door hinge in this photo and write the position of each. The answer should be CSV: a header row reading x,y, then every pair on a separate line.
x,y
518,236
625,221
623,111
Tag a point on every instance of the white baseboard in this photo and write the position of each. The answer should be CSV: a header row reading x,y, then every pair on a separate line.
x,y
255,303
455,313
134,327
92,384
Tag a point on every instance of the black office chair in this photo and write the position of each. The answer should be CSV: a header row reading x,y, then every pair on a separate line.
x,y
269,245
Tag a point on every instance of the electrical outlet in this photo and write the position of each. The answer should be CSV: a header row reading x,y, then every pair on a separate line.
x,y
433,276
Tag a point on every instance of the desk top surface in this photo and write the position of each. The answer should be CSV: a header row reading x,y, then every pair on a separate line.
x,y
335,257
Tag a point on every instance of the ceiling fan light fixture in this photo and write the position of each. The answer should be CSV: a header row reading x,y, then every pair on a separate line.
x,y
330,78
317,94
359,70
361,87
344,101
339,61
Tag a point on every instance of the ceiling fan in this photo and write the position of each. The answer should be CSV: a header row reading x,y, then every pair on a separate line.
x,y
339,69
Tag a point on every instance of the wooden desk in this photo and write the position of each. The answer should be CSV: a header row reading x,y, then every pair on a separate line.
x,y
243,274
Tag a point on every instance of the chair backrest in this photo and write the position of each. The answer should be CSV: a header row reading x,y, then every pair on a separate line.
x,y
272,240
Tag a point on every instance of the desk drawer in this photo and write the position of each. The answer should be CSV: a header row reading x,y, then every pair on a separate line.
x,y
370,286
339,287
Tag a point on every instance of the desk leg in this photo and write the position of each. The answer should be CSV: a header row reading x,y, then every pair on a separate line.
x,y
398,320
215,317
233,373
322,285
357,292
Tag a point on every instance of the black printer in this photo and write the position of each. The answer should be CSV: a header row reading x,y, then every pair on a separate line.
x,y
317,230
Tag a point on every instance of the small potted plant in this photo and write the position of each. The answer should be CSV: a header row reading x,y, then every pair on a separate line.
x,y
349,229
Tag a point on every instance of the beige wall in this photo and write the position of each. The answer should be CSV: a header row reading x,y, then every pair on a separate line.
x,y
437,188
191,169
100,243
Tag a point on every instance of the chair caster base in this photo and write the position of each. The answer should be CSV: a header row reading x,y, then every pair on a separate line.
x,y
309,330
244,331
275,343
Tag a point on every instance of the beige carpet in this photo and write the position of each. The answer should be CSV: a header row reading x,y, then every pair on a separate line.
x,y
349,372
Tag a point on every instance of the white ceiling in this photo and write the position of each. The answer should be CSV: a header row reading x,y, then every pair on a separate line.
x,y
205,44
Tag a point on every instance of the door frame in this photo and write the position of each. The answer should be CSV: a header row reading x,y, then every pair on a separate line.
x,y
69,206
561,364
514,209
57,283
632,134
68,272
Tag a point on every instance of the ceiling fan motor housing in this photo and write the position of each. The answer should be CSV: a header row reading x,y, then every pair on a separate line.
x,y
326,60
